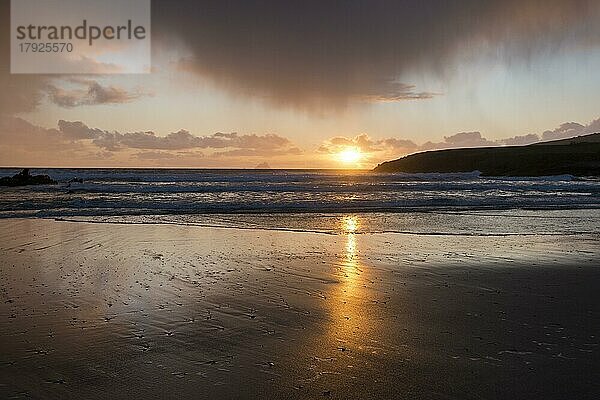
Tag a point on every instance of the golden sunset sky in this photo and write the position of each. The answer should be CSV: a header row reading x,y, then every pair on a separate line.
x,y
315,84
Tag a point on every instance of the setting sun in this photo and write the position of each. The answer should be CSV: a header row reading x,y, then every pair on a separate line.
x,y
350,155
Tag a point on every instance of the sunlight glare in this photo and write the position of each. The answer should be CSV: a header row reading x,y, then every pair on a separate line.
x,y
350,155
350,224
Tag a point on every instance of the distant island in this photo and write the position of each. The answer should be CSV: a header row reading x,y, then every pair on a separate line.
x,y
263,165
579,156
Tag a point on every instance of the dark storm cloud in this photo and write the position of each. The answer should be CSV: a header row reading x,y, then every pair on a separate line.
x,y
312,53
325,53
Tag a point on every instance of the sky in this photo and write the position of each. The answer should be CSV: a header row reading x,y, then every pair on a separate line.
x,y
301,84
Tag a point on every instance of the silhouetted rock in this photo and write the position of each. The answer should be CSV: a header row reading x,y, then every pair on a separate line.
x,y
24,178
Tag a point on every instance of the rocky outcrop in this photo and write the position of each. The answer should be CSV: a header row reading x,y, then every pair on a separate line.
x,y
577,156
24,178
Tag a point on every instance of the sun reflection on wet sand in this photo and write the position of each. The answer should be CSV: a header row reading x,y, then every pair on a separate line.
x,y
351,329
350,265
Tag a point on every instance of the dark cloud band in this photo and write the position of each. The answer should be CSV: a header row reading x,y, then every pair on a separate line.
x,y
314,53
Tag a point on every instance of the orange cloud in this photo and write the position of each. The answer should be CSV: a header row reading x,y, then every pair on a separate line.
x,y
71,137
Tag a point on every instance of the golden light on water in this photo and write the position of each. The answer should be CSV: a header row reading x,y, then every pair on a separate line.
x,y
350,224
351,155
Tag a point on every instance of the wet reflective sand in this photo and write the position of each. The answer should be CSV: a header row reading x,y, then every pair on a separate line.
x,y
163,311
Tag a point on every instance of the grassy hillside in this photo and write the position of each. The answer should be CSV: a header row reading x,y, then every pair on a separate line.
x,y
578,156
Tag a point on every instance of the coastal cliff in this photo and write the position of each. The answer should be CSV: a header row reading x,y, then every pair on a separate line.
x,y
579,156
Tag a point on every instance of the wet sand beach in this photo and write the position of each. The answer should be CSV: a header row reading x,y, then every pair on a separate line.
x,y
118,311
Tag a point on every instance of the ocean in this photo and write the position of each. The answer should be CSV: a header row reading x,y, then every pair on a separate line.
x,y
314,200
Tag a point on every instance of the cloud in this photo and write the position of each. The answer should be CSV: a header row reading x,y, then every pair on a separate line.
x,y
23,143
264,142
462,139
326,53
378,149
89,92
564,131
520,140
253,152
16,132
236,144
179,140
392,91
571,129
381,148
400,144
320,54
155,155
20,93
77,130
371,148
75,143
568,129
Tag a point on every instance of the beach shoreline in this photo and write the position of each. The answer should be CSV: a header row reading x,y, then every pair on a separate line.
x,y
94,310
